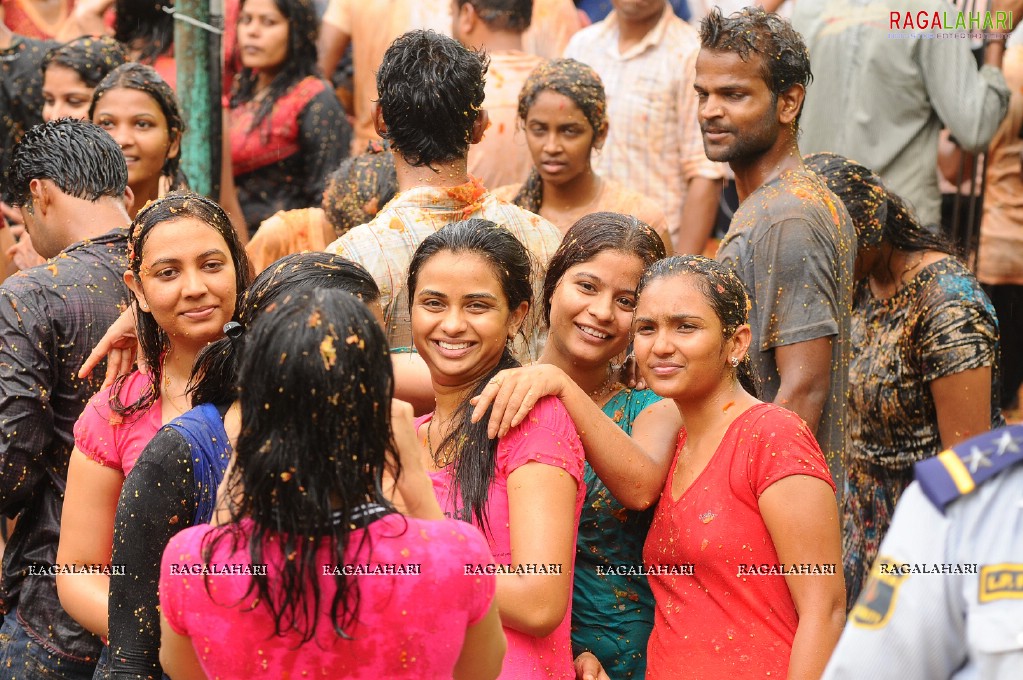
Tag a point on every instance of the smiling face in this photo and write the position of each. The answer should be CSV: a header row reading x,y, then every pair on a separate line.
x,y
738,113
592,308
262,36
679,341
560,138
460,317
65,94
186,281
136,122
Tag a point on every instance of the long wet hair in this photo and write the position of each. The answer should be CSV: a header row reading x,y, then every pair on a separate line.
x,y
860,189
316,388
92,58
152,338
724,292
135,76
299,62
145,26
590,236
215,373
358,189
572,79
468,445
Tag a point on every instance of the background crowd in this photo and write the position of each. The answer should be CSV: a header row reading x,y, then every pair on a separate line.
x,y
522,339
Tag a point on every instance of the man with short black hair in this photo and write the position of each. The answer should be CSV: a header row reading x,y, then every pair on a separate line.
x,y
497,27
430,110
69,179
791,240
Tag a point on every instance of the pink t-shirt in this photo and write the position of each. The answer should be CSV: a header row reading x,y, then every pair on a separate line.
x,y
716,623
111,440
408,626
546,436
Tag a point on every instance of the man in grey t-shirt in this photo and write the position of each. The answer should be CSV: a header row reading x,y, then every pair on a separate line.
x,y
791,240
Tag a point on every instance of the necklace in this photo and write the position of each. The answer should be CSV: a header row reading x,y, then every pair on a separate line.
x,y
605,386
439,463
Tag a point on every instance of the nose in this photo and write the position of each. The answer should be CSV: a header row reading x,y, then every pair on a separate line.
x,y
602,308
122,135
552,143
453,322
709,107
193,283
660,346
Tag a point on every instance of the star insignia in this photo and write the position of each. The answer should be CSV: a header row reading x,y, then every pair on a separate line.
x,y
977,459
1006,444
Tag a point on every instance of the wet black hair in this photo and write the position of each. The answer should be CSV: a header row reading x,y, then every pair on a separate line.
x,y
315,409
590,236
572,79
77,156
723,290
468,446
862,192
503,15
135,76
215,373
904,231
299,62
144,25
430,94
152,338
358,189
92,58
784,58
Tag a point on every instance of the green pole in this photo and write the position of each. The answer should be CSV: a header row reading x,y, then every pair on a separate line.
x,y
197,29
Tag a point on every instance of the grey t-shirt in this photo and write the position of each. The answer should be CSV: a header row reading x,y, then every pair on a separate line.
x,y
792,244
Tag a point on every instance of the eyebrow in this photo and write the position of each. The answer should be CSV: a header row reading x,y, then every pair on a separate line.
x,y
175,260
468,296
670,318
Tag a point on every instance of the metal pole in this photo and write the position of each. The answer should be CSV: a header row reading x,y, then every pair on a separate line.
x,y
197,53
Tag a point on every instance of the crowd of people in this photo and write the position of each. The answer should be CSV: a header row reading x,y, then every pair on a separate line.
x,y
521,341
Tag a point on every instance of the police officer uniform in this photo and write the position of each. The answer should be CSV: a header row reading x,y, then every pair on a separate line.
x,y
945,597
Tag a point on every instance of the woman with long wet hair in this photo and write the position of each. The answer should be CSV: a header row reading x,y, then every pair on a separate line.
x,y
469,291
174,482
186,273
287,128
333,579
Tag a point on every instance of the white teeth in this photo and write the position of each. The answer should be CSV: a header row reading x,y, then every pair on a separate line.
x,y
448,345
595,333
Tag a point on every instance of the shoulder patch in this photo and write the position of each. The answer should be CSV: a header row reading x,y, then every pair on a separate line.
x,y
1000,582
877,601
956,472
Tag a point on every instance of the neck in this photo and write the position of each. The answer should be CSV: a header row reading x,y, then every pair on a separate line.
x,y
263,80
448,399
177,367
448,174
579,191
89,220
144,193
496,41
6,36
589,378
706,413
631,32
754,172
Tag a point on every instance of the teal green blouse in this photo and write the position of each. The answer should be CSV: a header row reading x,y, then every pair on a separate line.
x,y
612,613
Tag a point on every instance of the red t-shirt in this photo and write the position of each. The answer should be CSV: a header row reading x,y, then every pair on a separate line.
x,y
547,436
716,623
409,625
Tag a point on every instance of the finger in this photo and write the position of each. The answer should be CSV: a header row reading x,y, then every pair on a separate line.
x,y
502,401
483,401
517,394
91,361
529,400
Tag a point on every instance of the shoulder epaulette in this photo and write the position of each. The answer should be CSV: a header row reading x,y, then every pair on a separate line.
x,y
956,472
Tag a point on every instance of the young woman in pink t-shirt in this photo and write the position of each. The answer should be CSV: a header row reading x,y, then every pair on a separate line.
x,y
747,523
343,585
470,293
186,270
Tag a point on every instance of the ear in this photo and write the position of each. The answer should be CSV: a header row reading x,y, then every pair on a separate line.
x,y
739,343
465,22
136,287
378,121
517,317
601,136
480,126
789,104
40,192
129,198
175,146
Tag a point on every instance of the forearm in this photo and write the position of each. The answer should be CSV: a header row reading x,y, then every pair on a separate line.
x,y
816,637
699,213
415,496
84,597
534,604
633,475
804,399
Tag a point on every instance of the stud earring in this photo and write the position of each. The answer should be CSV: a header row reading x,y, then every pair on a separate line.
x,y
734,362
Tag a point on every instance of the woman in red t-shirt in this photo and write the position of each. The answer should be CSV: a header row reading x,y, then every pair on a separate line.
x,y
746,531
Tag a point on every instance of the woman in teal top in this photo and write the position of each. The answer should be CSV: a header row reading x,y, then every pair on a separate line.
x,y
589,295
